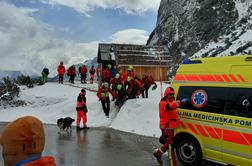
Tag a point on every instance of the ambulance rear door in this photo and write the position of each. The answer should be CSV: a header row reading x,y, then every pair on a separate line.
x,y
237,136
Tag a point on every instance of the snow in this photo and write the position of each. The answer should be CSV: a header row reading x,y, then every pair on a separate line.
x,y
209,48
238,38
242,7
52,101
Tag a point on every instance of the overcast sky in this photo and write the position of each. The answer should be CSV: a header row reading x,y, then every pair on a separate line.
x,y
39,33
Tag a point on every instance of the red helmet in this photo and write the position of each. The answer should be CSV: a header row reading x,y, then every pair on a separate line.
x,y
169,90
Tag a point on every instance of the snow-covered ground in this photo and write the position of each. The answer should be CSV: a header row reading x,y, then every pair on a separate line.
x,y
52,101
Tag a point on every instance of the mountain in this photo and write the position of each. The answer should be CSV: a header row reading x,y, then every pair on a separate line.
x,y
91,62
11,74
204,28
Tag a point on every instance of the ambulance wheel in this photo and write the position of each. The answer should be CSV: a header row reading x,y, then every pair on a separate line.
x,y
188,151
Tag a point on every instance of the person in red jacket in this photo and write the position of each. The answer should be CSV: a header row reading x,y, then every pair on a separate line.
x,y
98,70
133,87
103,95
116,81
106,74
81,108
71,73
128,73
23,142
61,71
147,81
168,121
83,73
92,74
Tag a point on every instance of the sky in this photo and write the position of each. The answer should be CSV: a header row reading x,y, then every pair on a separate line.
x,y
39,33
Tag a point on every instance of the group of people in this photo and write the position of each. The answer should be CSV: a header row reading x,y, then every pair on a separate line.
x,y
23,140
83,73
122,86
71,72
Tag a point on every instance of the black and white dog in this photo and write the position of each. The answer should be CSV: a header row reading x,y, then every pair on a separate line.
x,y
65,124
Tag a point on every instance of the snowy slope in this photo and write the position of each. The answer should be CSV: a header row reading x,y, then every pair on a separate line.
x,y
53,101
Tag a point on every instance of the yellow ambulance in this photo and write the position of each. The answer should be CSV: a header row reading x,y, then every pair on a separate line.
x,y
216,124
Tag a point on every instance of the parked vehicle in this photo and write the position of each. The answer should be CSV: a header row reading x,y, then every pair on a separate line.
x,y
217,122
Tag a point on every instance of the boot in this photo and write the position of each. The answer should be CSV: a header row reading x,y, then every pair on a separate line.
x,y
85,128
158,154
78,128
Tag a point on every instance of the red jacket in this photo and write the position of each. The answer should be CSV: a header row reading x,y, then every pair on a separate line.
x,y
139,86
98,71
127,74
81,104
116,81
83,70
130,74
106,74
71,71
61,70
168,114
103,93
134,86
148,80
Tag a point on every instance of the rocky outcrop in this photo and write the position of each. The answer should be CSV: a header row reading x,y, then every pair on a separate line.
x,y
202,28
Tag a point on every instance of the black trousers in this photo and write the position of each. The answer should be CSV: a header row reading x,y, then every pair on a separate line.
x,y
106,106
83,78
61,77
72,79
145,91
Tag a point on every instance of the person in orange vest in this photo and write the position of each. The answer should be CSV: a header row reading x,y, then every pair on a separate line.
x,y
81,108
168,121
92,74
103,95
83,73
23,142
61,71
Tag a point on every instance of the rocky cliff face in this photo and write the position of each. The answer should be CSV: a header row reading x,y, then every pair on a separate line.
x,y
202,28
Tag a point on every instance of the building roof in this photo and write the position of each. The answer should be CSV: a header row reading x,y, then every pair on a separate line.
x,y
137,55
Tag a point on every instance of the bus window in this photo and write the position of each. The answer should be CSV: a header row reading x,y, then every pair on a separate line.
x,y
239,102
207,99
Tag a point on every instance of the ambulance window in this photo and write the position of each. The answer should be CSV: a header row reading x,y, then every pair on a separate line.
x,y
207,99
239,102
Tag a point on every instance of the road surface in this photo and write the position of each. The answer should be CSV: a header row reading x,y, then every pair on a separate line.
x,y
99,147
